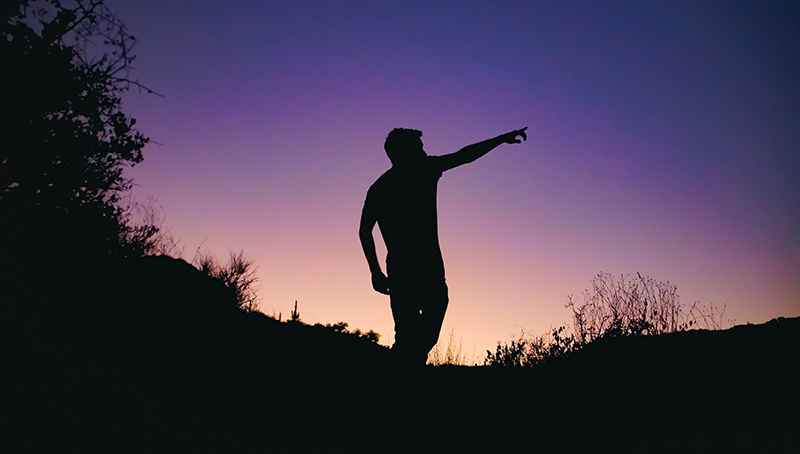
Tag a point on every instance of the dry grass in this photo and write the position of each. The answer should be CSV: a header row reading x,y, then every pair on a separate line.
x,y
451,354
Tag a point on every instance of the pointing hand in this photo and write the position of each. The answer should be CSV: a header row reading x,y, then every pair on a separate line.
x,y
511,137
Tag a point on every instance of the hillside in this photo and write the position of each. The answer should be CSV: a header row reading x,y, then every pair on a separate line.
x,y
149,355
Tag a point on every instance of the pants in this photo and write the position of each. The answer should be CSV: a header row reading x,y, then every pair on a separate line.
x,y
418,309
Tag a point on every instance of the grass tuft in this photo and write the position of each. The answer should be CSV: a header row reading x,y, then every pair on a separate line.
x,y
451,354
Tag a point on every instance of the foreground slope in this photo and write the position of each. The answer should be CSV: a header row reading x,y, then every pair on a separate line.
x,y
144,355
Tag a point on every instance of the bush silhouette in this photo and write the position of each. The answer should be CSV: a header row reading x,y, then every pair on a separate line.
x,y
529,350
238,274
612,308
341,327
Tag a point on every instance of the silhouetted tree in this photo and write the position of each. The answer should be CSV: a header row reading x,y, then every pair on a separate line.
x,y
64,139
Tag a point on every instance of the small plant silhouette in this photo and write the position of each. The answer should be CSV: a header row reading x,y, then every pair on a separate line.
x,y
294,316
239,274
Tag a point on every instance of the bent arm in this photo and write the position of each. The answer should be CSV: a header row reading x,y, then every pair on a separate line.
x,y
379,280
472,152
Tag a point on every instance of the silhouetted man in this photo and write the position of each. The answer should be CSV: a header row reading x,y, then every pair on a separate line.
x,y
403,204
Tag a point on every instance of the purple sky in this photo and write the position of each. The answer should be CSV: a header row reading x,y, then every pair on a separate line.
x,y
662,140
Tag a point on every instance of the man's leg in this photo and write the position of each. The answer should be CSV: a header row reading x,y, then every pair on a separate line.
x,y
433,309
407,325
418,313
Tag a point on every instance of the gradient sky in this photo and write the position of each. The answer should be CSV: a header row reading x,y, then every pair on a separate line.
x,y
663,139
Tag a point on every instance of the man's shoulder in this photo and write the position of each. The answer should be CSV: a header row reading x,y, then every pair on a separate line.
x,y
429,167
380,185
382,180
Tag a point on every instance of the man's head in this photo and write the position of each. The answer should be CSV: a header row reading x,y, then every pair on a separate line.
x,y
404,145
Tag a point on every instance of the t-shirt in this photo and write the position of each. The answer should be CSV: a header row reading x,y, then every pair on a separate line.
x,y
403,201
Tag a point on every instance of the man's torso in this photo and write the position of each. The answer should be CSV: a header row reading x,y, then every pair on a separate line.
x,y
404,200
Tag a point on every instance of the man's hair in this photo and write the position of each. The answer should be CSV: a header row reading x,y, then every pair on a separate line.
x,y
398,141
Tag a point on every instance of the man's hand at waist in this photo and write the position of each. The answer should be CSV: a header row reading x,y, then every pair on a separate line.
x,y
380,282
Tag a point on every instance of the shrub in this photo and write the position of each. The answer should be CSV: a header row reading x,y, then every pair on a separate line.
x,y
530,350
239,274
625,307
635,306
341,327
612,308
142,232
